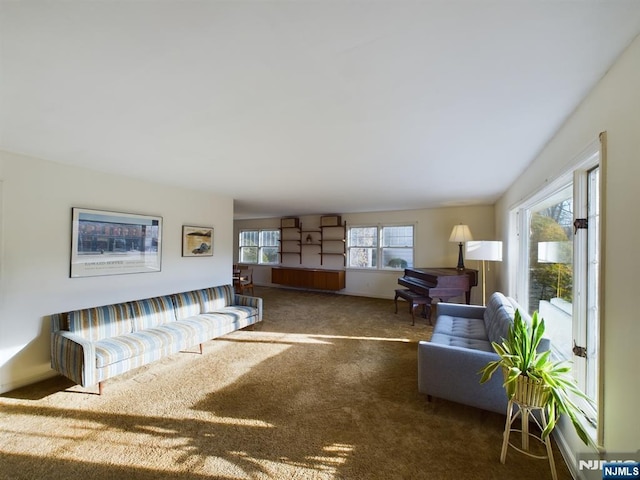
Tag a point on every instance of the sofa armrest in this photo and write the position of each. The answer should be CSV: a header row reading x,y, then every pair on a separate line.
x,y
460,310
74,357
249,301
452,373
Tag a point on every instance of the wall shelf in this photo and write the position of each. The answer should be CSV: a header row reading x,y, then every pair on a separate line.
x,y
333,241
290,237
330,239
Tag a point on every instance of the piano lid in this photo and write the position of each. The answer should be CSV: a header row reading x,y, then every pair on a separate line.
x,y
437,276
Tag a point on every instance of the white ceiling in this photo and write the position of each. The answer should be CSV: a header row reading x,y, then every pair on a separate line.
x,y
304,107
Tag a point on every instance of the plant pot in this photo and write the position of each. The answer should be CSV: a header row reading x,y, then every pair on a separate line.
x,y
530,392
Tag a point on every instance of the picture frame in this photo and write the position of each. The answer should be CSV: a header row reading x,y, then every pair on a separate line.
x,y
197,241
114,243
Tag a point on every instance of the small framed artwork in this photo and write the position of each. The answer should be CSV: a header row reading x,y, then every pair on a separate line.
x,y
114,243
197,241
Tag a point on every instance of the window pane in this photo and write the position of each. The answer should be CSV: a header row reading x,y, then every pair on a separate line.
x,y
397,257
269,255
362,257
397,243
269,238
249,238
363,237
551,268
248,254
363,247
397,236
593,273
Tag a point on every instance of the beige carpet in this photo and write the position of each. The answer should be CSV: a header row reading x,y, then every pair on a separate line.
x,y
324,388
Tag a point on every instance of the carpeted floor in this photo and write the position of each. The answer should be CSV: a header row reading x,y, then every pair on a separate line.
x,y
324,388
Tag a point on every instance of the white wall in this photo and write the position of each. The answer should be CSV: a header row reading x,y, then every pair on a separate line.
x,y
432,249
613,106
35,237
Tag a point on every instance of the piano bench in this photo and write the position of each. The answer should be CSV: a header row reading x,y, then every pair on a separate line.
x,y
415,301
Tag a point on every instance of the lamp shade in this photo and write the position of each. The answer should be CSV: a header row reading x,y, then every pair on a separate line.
x,y
489,250
555,252
460,234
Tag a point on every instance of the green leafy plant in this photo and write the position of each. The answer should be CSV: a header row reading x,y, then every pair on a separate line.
x,y
519,356
397,263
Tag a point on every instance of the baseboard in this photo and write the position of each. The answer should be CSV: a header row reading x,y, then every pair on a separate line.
x,y
567,454
23,382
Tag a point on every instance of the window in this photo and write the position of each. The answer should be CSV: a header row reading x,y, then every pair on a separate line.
x,y
551,267
259,246
380,247
397,246
559,274
593,273
362,247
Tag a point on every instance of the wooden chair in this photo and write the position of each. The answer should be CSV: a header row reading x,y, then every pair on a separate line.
x,y
245,281
236,276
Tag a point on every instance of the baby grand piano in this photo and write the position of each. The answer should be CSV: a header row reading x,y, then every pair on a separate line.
x,y
440,283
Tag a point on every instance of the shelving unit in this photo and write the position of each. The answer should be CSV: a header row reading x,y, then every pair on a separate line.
x,y
311,238
332,239
329,238
290,238
290,246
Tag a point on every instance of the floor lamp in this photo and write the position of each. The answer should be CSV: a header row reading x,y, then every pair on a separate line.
x,y
487,251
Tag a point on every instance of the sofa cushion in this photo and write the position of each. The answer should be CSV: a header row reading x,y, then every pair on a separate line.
x,y
117,349
237,313
152,312
188,304
461,327
498,317
101,322
455,341
167,338
212,324
216,298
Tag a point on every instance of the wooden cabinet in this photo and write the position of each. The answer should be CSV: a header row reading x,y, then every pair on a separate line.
x,y
317,279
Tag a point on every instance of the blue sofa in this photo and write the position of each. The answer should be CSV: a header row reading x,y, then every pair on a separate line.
x,y
460,347
91,345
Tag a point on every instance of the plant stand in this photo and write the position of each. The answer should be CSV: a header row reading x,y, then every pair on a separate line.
x,y
529,397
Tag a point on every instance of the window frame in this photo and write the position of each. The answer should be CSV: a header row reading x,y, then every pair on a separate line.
x,y
575,173
374,248
379,248
260,246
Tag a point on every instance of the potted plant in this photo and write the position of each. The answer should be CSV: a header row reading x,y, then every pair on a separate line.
x,y
527,371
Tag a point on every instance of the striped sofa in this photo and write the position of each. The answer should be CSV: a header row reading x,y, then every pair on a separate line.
x,y
91,345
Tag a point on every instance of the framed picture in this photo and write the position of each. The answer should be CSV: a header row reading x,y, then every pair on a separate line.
x,y
197,241
113,243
